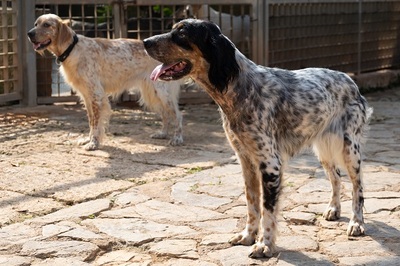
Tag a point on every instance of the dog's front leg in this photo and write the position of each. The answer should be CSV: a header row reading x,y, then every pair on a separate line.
x,y
253,195
270,170
93,112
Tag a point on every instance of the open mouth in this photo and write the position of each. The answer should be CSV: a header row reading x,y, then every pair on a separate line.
x,y
171,71
40,45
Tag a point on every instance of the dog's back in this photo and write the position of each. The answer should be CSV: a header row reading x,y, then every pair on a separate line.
x,y
115,65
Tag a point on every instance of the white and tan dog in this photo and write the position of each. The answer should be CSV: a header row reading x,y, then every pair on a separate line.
x,y
97,68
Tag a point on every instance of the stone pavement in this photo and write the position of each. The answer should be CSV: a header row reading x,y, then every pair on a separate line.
x,y
137,204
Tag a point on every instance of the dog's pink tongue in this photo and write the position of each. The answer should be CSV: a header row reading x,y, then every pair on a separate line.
x,y
159,70
156,72
35,45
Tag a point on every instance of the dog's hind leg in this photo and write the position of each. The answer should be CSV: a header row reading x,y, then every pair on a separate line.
x,y
168,94
333,210
358,115
343,149
176,116
352,160
327,148
163,98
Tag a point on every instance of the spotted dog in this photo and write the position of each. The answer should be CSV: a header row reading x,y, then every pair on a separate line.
x,y
97,68
269,115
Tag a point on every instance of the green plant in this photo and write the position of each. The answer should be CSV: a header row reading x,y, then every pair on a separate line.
x,y
194,170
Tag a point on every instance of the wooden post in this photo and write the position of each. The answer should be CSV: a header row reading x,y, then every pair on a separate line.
x,y
27,54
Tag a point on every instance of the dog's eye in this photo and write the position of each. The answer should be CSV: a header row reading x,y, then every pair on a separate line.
x,y
46,25
182,33
35,25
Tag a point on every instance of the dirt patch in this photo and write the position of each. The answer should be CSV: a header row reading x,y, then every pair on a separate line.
x,y
40,159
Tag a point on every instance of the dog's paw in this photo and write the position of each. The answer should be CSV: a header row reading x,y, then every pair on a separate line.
x,y
243,238
83,141
92,145
261,250
176,141
159,135
355,228
332,213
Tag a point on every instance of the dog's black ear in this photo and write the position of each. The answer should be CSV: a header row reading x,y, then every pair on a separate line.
x,y
219,51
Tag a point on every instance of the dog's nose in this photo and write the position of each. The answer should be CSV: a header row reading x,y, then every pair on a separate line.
x,y
31,33
148,43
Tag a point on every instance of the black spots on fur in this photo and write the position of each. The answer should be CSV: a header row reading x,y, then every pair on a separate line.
x,y
263,166
247,118
344,121
356,147
261,146
337,171
317,111
347,140
297,113
359,184
270,185
354,92
260,113
345,100
349,117
248,88
310,97
357,169
361,202
319,120
285,77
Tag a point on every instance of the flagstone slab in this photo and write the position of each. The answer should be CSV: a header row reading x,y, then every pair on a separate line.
x,y
138,231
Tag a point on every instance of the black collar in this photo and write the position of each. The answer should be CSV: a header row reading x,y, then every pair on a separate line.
x,y
66,53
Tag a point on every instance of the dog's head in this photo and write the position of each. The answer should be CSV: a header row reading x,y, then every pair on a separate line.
x,y
194,47
50,33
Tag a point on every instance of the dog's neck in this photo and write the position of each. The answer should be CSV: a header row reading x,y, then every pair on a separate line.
x,y
223,100
61,58
226,100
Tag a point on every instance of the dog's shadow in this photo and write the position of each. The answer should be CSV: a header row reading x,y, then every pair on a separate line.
x,y
123,164
386,235
299,258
